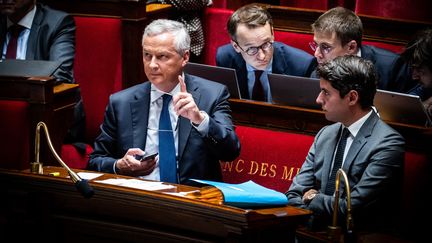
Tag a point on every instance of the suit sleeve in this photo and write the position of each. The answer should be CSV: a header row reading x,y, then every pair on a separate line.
x,y
221,139
103,155
305,179
383,156
63,49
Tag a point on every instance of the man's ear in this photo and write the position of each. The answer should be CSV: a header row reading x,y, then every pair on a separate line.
x,y
353,97
352,47
186,56
236,47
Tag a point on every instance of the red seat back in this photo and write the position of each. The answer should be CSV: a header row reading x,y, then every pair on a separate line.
x,y
269,158
215,32
390,47
297,40
97,66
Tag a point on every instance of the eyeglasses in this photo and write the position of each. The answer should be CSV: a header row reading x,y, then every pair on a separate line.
x,y
324,48
251,51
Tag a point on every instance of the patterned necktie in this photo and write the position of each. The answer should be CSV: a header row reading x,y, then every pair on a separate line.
x,y
258,91
330,188
14,31
167,153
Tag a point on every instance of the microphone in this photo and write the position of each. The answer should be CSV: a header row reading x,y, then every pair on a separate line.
x,y
36,167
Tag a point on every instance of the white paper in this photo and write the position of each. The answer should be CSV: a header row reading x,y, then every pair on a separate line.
x,y
138,184
89,175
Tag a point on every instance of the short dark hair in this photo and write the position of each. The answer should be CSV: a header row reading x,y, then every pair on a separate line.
x,y
344,22
418,51
251,15
346,73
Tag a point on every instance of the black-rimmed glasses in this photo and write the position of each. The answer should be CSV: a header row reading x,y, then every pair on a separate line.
x,y
251,51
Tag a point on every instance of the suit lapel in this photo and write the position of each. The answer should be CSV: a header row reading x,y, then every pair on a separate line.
x,y
328,156
359,141
34,33
279,64
242,77
184,123
140,118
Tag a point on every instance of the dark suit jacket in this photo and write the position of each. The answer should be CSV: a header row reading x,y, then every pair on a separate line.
x,y
374,166
286,60
393,72
125,126
52,37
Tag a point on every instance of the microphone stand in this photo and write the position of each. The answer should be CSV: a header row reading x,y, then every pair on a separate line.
x,y
334,231
36,167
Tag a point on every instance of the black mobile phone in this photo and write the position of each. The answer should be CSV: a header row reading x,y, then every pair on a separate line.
x,y
144,158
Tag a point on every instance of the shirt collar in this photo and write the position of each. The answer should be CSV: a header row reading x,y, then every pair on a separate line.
x,y
27,20
268,69
355,127
156,93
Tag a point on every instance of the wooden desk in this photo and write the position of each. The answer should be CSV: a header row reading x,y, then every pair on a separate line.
x,y
48,208
53,104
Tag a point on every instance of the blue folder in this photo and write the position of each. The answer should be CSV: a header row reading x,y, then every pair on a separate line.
x,y
248,194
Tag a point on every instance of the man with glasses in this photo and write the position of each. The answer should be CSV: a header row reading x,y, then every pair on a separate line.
x,y
339,32
253,53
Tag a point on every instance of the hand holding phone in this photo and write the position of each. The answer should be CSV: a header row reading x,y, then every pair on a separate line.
x,y
146,158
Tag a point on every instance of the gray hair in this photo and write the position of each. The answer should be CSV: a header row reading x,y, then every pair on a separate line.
x,y
177,29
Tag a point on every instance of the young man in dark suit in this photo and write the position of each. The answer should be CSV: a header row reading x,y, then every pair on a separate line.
x,y
200,131
253,53
339,32
371,154
43,34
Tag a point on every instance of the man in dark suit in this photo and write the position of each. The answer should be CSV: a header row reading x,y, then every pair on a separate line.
x,y
339,32
43,34
371,154
200,129
253,53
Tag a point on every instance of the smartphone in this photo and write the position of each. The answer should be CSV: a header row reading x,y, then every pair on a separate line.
x,y
145,158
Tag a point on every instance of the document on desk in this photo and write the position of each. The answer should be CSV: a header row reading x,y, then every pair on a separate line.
x,y
138,184
248,194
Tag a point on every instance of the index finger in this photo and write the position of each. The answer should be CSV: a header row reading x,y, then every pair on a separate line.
x,y
182,84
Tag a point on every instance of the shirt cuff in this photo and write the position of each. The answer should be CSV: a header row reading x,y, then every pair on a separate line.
x,y
114,167
202,128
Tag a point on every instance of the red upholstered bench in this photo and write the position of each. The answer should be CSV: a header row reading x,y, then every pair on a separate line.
x,y
15,133
98,70
297,40
269,158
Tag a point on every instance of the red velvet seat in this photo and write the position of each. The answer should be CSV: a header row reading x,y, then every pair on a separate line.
x,y
215,32
269,158
15,131
98,70
297,40
403,9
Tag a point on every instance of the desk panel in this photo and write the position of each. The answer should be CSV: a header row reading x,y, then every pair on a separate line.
x,y
44,205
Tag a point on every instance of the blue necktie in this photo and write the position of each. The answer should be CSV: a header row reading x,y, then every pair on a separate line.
x,y
167,153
